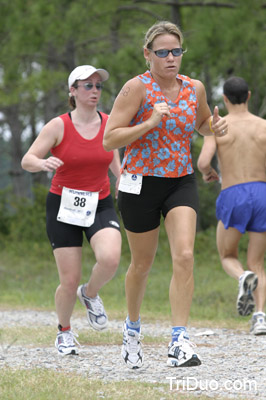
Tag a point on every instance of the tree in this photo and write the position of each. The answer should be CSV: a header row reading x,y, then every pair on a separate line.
x,y
42,41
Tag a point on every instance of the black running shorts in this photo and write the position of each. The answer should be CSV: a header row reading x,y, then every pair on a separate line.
x,y
142,213
61,234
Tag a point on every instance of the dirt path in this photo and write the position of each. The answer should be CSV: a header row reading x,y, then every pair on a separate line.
x,y
233,362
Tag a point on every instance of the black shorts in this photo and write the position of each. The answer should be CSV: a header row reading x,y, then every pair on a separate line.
x,y
142,213
61,234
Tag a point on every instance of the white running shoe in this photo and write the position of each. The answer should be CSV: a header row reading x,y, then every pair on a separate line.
x,y
95,310
245,301
258,324
65,343
181,353
131,348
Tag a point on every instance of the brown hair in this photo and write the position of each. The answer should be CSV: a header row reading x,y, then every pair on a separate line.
x,y
161,28
71,99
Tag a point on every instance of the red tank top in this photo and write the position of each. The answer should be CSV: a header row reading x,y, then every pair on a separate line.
x,y
86,163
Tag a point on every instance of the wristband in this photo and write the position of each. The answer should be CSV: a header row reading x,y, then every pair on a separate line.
x,y
210,125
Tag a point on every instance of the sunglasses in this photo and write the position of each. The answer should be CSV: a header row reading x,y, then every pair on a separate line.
x,y
89,86
164,52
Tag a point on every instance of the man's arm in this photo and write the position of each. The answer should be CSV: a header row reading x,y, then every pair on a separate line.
x,y
204,161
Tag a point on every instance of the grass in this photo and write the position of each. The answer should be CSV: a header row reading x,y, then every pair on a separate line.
x,y
43,336
28,279
48,385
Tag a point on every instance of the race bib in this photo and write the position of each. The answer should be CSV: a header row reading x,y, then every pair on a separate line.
x,y
78,207
130,183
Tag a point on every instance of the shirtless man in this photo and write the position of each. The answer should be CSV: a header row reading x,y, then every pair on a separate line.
x,y
241,204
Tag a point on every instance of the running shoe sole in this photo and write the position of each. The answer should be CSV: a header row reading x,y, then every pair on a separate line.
x,y
245,301
129,364
72,353
259,332
258,328
194,361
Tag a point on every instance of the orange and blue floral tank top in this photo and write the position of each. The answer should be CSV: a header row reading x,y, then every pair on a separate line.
x,y
164,151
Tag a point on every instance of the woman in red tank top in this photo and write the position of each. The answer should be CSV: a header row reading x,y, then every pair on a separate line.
x,y
79,201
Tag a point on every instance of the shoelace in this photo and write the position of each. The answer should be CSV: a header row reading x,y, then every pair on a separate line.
x,y
186,342
184,346
133,342
97,305
70,337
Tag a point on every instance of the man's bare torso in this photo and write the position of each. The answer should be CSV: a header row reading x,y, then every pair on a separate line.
x,y
242,153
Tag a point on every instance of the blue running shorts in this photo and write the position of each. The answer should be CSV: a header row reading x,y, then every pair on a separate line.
x,y
243,207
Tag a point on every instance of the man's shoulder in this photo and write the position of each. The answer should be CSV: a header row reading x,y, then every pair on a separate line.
x,y
259,120
259,125
248,115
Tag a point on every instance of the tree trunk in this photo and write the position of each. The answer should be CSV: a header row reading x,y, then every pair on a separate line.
x,y
16,153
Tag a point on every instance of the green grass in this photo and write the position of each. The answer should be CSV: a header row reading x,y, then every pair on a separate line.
x,y
50,385
43,336
28,279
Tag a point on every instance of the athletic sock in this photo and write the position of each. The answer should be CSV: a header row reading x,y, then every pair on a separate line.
x,y
176,331
64,329
135,325
259,313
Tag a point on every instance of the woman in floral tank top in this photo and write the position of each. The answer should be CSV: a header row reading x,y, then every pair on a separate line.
x,y
154,116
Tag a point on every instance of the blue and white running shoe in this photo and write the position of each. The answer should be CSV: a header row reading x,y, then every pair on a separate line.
x,y
181,353
131,348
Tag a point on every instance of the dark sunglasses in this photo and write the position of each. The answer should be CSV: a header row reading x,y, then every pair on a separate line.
x,y
164,52
89,86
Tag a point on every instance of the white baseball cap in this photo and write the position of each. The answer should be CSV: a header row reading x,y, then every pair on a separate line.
x,y
84,72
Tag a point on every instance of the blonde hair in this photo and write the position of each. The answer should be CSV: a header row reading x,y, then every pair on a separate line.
x,y
162,28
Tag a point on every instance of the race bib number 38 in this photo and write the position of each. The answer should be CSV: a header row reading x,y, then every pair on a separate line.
x,y
78,207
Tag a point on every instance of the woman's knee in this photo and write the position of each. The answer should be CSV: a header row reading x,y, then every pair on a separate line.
x,y
70,283
184,260
141,270
109,261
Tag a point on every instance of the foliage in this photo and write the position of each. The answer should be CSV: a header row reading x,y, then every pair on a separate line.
x,y
4,212
41,42
38,50
23,219
4,163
